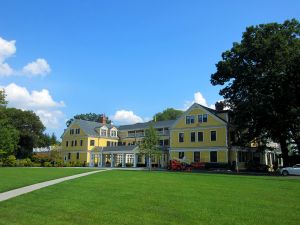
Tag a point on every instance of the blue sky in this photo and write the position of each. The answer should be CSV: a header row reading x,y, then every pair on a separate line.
x,y
127,59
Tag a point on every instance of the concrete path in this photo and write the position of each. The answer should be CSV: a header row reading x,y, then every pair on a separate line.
x,y
20,191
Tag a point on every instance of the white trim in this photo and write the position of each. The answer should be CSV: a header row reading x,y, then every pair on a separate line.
x,y
216,136
202,137
179,137
196,106
191,137
199,149
198,128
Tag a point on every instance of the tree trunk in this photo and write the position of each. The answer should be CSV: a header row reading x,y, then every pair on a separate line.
x,y
284,151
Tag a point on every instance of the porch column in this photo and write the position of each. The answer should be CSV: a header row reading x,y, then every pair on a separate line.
x,y
123,160
111,160
91,159
134,159
100,163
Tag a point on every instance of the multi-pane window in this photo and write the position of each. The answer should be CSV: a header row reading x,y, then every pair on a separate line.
x,y
200,136
103,132
92,142
69,155
181,155
72,131
67,143
113,133
77,155
181,137
193,136
75,143
213,156
189,119
81,142
77,131
72,143
213,135
196,156
202,118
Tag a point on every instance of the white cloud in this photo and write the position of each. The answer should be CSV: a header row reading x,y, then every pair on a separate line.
x,y
126,117
38,67
198,98
41,102
35,68
7,49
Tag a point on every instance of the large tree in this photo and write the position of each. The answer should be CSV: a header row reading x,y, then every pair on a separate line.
x,y
29,127
262,79
150,146
167,114
3,102
89,117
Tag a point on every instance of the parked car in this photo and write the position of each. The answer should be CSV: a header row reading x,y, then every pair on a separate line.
x,y
295,170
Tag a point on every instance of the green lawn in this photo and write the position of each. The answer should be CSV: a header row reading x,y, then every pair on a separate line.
x,y
11,178
138,197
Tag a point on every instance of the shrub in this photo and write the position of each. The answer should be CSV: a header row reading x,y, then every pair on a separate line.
x,y
217,166
10,161
47,164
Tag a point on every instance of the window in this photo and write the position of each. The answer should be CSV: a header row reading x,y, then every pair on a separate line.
x,y
72,143
181,137
189,119
69,156
113,133
72,131
213,156
67,143
161,142
181,155
202,118
103,132
77,155
108,143
200,136
92,142
77,131
213,135
193,136
196,156
166,142
75,142
81,142
140,159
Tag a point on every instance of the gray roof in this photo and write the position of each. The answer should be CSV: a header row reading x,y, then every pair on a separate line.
x,y
142,126
89,127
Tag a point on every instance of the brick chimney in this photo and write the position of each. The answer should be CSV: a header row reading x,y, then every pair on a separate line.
x,y
103,118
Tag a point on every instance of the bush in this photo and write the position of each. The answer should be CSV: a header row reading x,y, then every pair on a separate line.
x,y
10,161
217,165
47,164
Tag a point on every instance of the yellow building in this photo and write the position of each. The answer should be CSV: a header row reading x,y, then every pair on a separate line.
x,y
200,135
82,137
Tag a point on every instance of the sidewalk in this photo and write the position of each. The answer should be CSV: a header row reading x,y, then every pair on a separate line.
x,y
20,191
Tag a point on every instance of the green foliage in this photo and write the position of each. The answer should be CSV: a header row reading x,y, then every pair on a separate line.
x,y
45,140
30,129
10,161
24,162
89,117
167,114
262,80
3,102
9,138
150,145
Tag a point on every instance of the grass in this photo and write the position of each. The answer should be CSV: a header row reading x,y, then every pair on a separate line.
x,y
11,178
137,197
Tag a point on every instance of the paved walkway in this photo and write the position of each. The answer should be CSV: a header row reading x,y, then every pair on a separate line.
x,y
20,191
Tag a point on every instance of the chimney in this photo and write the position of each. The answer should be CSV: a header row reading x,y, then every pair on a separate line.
x,y
103,118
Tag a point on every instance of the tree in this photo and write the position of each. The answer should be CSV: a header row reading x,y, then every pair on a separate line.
x,y
167,114
30,129
3,102
9,138
89,117
149,145
262,80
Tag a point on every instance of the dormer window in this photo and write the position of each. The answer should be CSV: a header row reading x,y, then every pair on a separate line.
x,y
103,132
113,133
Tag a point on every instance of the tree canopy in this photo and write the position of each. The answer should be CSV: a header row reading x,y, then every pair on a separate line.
x,y
3,102
149,145
261,81
167,114
89,117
